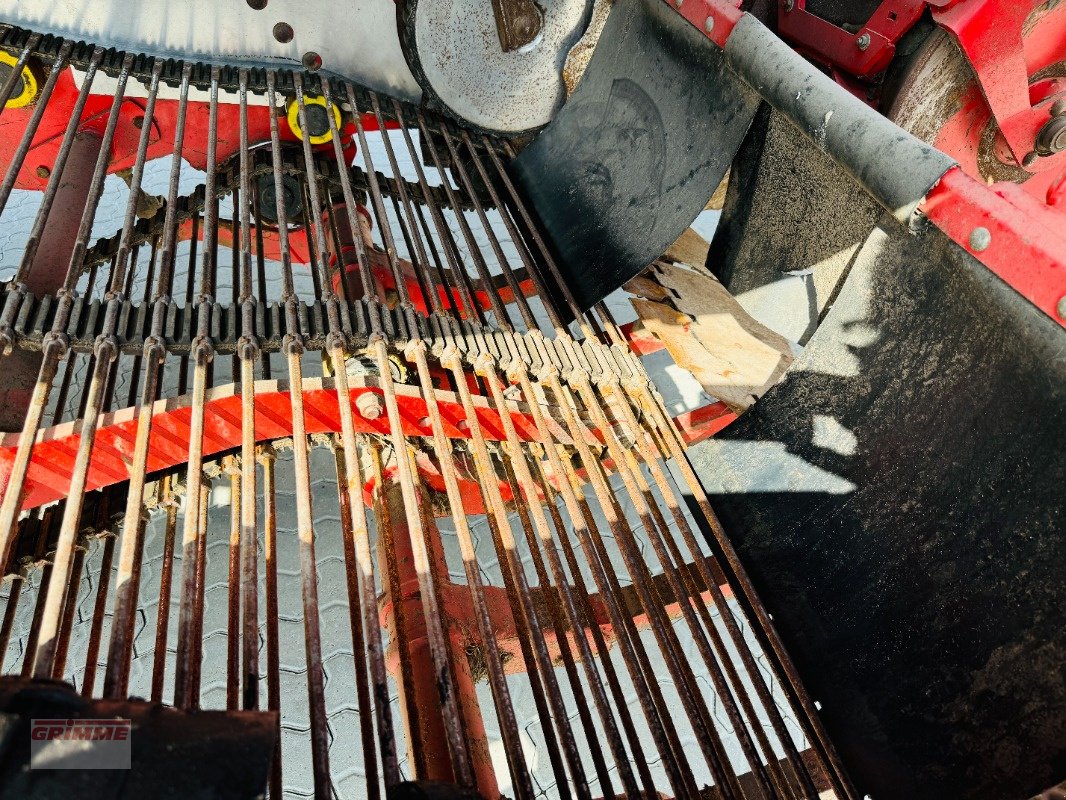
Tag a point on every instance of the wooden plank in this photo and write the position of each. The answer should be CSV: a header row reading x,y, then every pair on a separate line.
x,y
717,201
732,356
690,248
644,285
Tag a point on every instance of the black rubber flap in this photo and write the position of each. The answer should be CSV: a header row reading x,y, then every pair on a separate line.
x,y
634,156
898,501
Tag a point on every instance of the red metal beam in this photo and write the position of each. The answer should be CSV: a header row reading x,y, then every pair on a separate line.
x,y
50,468
866,52
1012,233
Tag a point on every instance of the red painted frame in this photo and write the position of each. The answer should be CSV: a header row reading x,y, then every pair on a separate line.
x,y
862,54
1026,239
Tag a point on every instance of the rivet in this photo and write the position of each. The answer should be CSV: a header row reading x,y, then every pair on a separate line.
x,y
1062,307
43,172
863,42
369,405
790,4
1059,109
709,24
678,3
980,239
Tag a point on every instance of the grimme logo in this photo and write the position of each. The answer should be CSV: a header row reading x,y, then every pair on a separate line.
x,y
80,744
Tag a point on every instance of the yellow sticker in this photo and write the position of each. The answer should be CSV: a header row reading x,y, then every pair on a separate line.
x,y
294,118
29,83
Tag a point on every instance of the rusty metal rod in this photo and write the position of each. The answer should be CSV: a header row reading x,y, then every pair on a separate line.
x,y
159,660
233,587
650,456
117,675
600,648
510,560
353,483
268,459
16,71
783,663
625,464
55,345
355,617
104,353
40,105
249,353
56,177
186,688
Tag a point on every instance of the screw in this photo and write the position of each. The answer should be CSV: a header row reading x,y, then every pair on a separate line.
x,y
369,405
863,42
1062,307
709,24
980,239
43,172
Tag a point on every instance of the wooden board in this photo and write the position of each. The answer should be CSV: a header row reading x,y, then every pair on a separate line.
x,y
706,331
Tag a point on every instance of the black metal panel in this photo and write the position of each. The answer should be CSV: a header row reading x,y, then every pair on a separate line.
x,y
899,502
633,157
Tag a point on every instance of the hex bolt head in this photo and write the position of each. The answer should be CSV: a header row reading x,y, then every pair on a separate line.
x,y
369,405
980,239
863,42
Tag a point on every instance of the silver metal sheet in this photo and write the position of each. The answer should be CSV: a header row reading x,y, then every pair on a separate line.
x,y
459,54
359,43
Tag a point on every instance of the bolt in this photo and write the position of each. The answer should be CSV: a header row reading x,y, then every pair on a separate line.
x,y
1059,109
863,42
1062,307
369,405
1052,137
980,239
709,24
138,122
789,5
43,172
